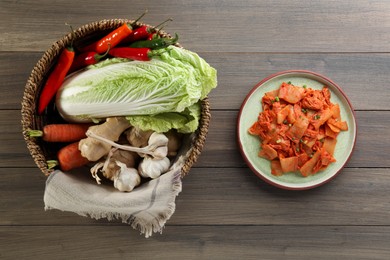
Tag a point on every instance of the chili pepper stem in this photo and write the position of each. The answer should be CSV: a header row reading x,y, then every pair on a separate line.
x,y
139,18
35,133
101,56
167,20
70,47
51,164
174,40
155,33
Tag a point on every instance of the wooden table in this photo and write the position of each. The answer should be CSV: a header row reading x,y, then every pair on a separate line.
x,y
224,210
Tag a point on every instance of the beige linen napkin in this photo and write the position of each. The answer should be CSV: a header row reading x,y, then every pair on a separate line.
x,y
146,208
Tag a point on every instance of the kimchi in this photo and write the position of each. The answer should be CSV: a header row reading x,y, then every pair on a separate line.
x,y
298,129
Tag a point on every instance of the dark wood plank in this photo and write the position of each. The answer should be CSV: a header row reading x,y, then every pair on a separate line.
x,y
235,81
223,196
196,242
15,68
238,73
13,148
237,196
371,150
255,26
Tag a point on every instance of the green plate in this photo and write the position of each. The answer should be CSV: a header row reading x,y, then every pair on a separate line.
x,y
249,145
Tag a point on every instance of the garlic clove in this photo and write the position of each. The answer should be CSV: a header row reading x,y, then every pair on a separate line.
x,y
153,168
157,139
160,152
127,178
160,143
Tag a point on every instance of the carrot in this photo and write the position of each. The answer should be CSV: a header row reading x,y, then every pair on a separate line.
x,y
61,132
69,157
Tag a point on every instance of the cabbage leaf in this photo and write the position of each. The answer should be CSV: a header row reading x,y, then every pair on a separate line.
x,y
186,121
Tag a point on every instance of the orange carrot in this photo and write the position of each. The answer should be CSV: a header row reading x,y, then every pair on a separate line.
x,y
61,132
69,157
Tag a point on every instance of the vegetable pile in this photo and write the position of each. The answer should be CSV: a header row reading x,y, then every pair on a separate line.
x,y
128,99
298,129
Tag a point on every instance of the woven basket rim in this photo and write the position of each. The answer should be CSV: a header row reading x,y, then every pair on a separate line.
x,y
30,120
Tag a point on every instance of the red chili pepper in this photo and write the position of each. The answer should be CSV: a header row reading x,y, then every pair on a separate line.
x,y
86,58
142,54
56,78
112,39
141,33
151,36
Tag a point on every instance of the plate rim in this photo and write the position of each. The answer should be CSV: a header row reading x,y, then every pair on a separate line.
x,y
258,85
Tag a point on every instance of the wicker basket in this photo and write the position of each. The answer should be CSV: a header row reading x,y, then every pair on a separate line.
x,y
41,151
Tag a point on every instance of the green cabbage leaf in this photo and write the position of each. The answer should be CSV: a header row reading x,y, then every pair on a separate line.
x,y
186,121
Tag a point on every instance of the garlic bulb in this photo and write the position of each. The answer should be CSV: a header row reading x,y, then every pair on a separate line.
x,y
127,178
153,168
157,145
160,144
109,167
137,137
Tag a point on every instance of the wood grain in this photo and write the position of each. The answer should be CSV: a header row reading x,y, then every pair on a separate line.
x,y
196,242
228,26
371,148
223,196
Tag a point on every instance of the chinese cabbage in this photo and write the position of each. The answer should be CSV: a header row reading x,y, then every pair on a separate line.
x,y
169,83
